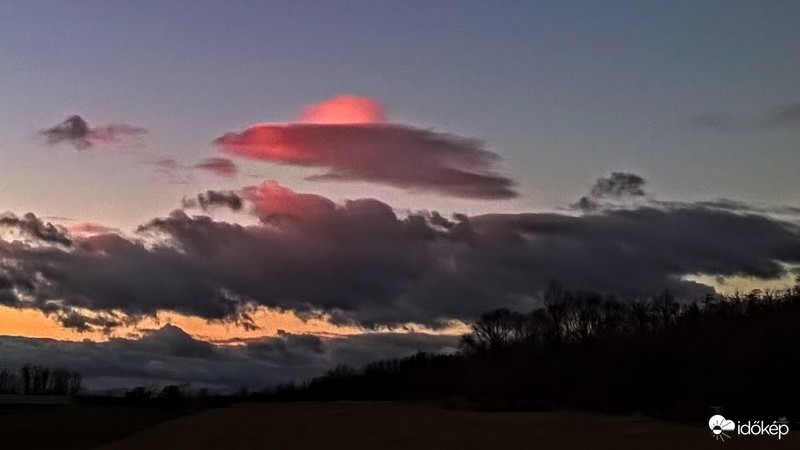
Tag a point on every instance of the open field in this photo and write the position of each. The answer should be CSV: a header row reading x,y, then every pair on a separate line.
x,y
67,427
348,425
394,425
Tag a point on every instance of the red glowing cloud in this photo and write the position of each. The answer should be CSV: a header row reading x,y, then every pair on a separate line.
x,y
90,228
344,109
348,136
271,200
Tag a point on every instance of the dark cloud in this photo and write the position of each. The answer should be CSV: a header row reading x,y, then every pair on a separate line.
x,y
361,263
104,321
34,227
349,137
76,132
169,356
618,186
170,340
210,199
744,207
223,167
627,251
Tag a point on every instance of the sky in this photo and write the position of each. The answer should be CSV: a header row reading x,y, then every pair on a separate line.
x,y
207,180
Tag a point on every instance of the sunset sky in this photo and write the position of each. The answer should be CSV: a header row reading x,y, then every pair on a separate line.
x,y
244,193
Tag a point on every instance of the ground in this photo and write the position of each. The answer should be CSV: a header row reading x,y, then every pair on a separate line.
x,y
394,425
352,426
73,427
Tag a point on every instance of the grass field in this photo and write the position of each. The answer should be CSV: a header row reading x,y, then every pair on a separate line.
x,y
73,427
394,425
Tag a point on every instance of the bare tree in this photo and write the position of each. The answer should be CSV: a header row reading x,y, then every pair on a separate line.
x,y
75,383
9,383
495,330
27,385
59,382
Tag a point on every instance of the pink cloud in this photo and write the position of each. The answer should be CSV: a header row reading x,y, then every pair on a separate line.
x,y
349,137
271,200
344,109
90,228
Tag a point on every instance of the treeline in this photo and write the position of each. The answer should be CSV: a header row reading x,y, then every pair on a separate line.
x,y
40,380
590,351
179,399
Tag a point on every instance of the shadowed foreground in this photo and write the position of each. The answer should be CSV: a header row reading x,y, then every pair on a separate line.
x,y
41,426
395,425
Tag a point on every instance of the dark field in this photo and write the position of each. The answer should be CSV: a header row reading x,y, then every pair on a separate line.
x,y
72,426
352,426
394,425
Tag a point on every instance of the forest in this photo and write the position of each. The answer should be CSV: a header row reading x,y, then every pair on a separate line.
x,y
40,380
588,351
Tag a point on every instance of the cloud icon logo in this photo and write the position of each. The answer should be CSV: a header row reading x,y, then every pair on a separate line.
x,y
719,425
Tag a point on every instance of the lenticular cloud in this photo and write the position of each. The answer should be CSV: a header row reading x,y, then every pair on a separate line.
x,y
350,137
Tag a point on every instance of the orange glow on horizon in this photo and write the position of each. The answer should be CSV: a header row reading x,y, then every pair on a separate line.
x,y
35,324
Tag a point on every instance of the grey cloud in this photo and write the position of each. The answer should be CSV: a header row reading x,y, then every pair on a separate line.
x,y
169,355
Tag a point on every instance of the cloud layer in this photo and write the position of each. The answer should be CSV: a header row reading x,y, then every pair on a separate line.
x,y
349,137
170,356
359,262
